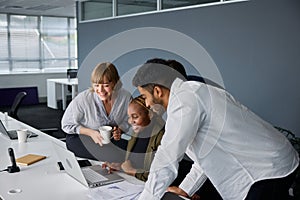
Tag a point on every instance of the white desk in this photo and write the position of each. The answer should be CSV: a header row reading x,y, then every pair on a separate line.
x,y
53,95
41,180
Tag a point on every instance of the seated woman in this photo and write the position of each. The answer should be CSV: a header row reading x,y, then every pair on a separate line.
x,y
104,104
148,129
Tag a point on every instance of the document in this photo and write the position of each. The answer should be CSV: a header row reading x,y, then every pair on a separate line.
x,y
120,190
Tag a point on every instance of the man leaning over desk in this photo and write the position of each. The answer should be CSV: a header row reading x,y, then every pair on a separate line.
x,y
242,155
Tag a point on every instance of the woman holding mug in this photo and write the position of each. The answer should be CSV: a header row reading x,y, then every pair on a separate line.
x,y
105,103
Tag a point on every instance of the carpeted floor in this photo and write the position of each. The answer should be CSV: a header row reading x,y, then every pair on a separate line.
x,y
41,117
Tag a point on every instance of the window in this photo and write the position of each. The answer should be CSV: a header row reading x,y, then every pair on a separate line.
x,y
4,43
96,9
100,9
54,42
126,7
35,43
24,42
175,3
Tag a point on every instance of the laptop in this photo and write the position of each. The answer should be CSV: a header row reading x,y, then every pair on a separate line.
x,y
12,134
89,176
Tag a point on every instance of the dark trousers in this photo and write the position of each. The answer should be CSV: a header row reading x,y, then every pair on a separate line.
x,y
83,146
207,190
271,189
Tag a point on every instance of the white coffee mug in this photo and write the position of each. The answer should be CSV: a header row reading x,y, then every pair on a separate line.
x,y
105,132
22,135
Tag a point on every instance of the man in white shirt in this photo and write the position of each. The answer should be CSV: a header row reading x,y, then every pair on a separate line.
x,y
242,155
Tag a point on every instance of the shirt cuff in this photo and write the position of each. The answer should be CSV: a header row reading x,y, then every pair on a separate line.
x,y
190,186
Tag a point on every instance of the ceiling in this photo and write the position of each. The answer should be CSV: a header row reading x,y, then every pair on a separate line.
x,y
64,8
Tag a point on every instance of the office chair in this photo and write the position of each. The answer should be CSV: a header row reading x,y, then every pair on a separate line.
x,y
71,73
15,107
13,112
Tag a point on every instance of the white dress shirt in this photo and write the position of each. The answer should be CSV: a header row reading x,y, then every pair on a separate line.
x,y
87,110
228,143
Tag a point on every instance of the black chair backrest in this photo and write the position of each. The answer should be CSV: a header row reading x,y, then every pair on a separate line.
x,y
16,104
72,73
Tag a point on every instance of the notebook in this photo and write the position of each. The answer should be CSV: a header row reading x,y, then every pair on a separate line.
x,y
29,159
90,176
12,134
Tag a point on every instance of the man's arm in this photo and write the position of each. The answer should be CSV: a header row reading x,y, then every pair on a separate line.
x,y
181,127
193,181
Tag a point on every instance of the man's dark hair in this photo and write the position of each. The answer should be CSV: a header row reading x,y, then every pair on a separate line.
x,y
177,66
152,74
158,61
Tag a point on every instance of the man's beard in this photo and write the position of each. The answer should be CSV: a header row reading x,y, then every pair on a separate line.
x,y
157,107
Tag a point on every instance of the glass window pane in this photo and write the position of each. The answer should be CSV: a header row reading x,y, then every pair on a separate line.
x,y
96,10
51,64
21,21
25,66
73,44
181,3
4,66
26,39
131,6
24,43
55,43
3,20
74,63
54,23
4,44
73,23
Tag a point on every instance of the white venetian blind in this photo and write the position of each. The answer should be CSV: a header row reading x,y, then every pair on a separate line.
x,y
24,41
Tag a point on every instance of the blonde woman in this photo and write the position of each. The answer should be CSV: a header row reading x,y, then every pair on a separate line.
x,y
105,103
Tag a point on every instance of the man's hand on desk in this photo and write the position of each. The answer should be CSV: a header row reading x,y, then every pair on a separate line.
x,y
181,192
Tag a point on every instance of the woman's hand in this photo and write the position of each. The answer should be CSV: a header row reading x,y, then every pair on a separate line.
x,y
111,166
181,192
128,168
117,132
95,135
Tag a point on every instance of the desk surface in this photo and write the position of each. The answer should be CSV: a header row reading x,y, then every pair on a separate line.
x,y
52,92
41,180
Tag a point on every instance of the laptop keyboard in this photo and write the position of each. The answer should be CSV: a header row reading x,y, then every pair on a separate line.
x,y
92,176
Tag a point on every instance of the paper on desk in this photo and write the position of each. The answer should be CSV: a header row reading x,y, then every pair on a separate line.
x,y
120,190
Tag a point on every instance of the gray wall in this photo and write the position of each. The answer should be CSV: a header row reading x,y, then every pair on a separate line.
x,y
255,46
